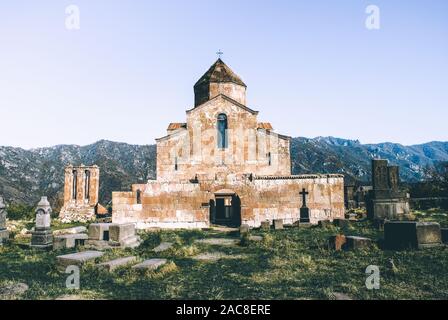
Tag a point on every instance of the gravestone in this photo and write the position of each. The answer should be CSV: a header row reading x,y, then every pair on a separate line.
x,y
4,234
304,210
123,235
42,236
278,224
399,235
68,241
324,223
265,225
77,259
386,200
353,243
116,263
151,264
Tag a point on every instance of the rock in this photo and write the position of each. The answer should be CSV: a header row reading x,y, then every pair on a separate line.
x,y
278,224
12,290
78,258
400,235
163,247
337,242
114,264
151,264
353,243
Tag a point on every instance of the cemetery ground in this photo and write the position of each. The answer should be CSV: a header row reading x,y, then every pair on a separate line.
x,y
294,263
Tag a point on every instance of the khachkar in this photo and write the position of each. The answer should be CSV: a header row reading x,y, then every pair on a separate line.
x,y
304,210
4,234
42,236
80,193
387,200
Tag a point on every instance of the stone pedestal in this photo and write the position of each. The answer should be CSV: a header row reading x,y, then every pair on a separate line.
x,y
278,224
42,236
304,215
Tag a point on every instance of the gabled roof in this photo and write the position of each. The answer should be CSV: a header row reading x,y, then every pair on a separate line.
x,y
265,126
176,125
220,72
228,99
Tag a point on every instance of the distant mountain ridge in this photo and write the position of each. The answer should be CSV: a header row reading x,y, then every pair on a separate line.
x,y
25,175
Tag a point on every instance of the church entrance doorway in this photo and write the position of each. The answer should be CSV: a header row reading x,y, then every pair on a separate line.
x,y
226,209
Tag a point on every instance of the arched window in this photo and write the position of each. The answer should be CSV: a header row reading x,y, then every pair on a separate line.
x,y
87,184
139,196
75,185
222,131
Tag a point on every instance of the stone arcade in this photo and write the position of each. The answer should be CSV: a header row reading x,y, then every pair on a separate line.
x,y
223,166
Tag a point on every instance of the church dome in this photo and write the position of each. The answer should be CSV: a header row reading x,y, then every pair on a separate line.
x,y
219,79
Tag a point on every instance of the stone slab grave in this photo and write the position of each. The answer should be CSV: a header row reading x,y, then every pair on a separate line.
x,y
68,241
78,258
116,263
337,242
399,235
255,238
218,241
444,232
151,264
215,256
163,246
123,235
278,224
109,235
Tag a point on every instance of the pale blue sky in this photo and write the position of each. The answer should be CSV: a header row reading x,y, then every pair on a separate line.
x,y
312,68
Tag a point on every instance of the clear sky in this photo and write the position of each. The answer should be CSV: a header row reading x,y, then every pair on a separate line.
x,y
312,67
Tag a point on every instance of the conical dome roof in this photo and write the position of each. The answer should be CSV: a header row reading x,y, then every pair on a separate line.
x,y
220,72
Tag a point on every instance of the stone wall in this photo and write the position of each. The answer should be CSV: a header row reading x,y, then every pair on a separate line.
x,y
186,205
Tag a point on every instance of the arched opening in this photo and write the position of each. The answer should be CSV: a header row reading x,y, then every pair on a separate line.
x,y
74,184
225,209
139,196
222,131
87,184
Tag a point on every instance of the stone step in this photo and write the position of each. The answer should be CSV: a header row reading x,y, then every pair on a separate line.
x,y
116,263
78,258
151,264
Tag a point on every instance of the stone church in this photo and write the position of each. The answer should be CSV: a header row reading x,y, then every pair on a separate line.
x,y
222,166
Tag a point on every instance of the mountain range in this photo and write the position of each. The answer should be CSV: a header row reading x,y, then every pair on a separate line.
x,y
26,175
